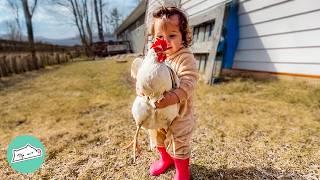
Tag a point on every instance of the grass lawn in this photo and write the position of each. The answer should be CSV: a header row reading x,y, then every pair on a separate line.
x,y
247,128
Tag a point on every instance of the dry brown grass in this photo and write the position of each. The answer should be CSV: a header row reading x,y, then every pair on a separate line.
x,y
247,128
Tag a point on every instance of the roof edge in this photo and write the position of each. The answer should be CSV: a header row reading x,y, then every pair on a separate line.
x,y
134,15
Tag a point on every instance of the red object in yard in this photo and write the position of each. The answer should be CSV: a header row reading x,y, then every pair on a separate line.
x,y
159,46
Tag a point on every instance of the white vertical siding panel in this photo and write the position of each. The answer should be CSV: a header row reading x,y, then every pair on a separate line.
x,y
279,11
303,69
295,23
291,40
184,1
279,36
193,3
295,55
249,6
196,6
136,37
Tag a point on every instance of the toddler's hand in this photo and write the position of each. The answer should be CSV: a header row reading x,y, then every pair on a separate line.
x,y
168,99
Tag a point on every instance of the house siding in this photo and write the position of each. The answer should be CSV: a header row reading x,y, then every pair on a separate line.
x,y
280,36
205,12
275,35
195,7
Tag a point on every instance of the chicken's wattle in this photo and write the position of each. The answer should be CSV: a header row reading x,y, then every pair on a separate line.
x,y
159,46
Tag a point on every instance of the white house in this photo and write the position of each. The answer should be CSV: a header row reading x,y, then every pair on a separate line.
x,y
133,28
277,36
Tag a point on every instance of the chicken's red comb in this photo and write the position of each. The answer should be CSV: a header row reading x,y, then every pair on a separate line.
x,y
159,46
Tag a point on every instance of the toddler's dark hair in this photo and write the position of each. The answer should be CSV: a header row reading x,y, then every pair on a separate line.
x,y
167,12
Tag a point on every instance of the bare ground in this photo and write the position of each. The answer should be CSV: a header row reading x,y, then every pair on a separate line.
x,y
247,128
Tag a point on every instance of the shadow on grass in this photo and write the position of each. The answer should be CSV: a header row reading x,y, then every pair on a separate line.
x,y
246,78
202,172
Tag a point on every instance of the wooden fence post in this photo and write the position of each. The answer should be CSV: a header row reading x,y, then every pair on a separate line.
x,y
3,66
51,59
61,58
40,60
1,71
8,63
46,57
58,58
64,58
14,64
29,63
67,57
19,68
26,63
23,64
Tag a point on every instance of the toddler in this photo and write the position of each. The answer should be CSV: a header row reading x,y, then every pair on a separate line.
x,y
171,24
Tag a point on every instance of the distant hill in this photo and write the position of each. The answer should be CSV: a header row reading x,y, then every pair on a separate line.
x,y
64,42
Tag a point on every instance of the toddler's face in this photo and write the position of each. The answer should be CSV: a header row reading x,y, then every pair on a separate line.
x,y
169,30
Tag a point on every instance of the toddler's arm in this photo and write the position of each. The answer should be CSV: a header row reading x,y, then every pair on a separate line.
x,y
188,76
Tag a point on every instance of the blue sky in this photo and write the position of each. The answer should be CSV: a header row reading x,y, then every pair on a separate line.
x,y
52,21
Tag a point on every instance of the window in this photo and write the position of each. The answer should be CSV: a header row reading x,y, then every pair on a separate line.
x,y
203,32
195,34
201,36
197,62
201,62
210,30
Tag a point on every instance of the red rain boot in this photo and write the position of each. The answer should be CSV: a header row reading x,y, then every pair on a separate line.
x,y
182,169
160,166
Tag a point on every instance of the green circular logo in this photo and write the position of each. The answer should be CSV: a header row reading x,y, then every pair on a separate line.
x,y
25,154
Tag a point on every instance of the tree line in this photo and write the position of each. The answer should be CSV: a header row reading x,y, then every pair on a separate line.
x,y
88,16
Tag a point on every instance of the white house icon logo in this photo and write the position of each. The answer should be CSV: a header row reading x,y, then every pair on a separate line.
x,y
25,153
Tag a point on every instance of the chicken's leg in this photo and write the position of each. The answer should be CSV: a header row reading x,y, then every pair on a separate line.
x,y
134,143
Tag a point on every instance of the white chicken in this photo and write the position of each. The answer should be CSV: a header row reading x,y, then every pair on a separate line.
x,y
153,78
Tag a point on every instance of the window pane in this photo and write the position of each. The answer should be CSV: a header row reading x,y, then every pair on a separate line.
x,y
202,66
195,33
201,33
197,61
206,36
211,26
205,61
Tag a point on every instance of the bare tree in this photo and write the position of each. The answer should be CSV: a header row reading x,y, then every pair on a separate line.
x,y
80,12
13,31
28,13
88,24
107,23
114,18
99,14
14,27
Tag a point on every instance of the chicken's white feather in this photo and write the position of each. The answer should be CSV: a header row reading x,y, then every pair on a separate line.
x,y
152,80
